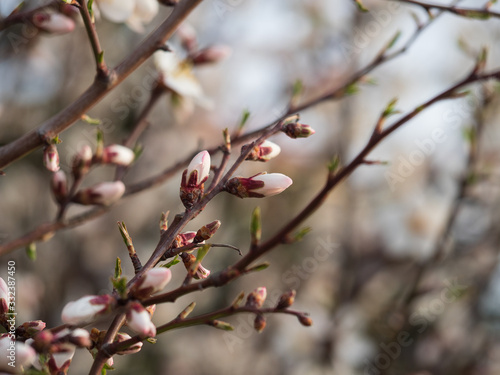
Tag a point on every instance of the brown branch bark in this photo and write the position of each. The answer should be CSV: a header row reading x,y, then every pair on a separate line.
x,y
68,116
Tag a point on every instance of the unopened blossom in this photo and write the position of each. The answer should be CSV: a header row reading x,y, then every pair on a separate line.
x,y
178,77
4,297
86,309
153,281
134,13
117,154
80,337
82,161
59,186
103,194
266,151
54,23
120,337
258,186
51,158
60,361
139,320
286,300
211,54
206,231
297,130
193,179
22,354
189,261
30,329
259,323
256,298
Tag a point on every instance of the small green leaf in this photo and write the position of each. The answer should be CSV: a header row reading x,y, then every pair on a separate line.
x,y
256,226
138,149
31,251
118,268
188,310
100,57
360,6
173,262
258,267
475,14
90,120
390,109
301,233
121,286
334,164
244,118
237,301
351,89
394,39
219,324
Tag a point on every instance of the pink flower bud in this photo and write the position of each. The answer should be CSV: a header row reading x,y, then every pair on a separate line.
x,y
120,337
286,300
139,321
193,178
119,155
54,23
25,355
256,298
211,54
4,297
198,170
152,282
82,161
51,158
80,337
104,193
59,362
258,186
259,323
297,130
30,329
86,309
59,186
264,152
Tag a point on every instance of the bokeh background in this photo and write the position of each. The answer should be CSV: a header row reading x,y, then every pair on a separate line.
x,y
354,272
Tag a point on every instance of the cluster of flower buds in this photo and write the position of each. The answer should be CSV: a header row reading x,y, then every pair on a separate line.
x,y
292,128
152,282
193,179
87,309
264,152
139,320
259,186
